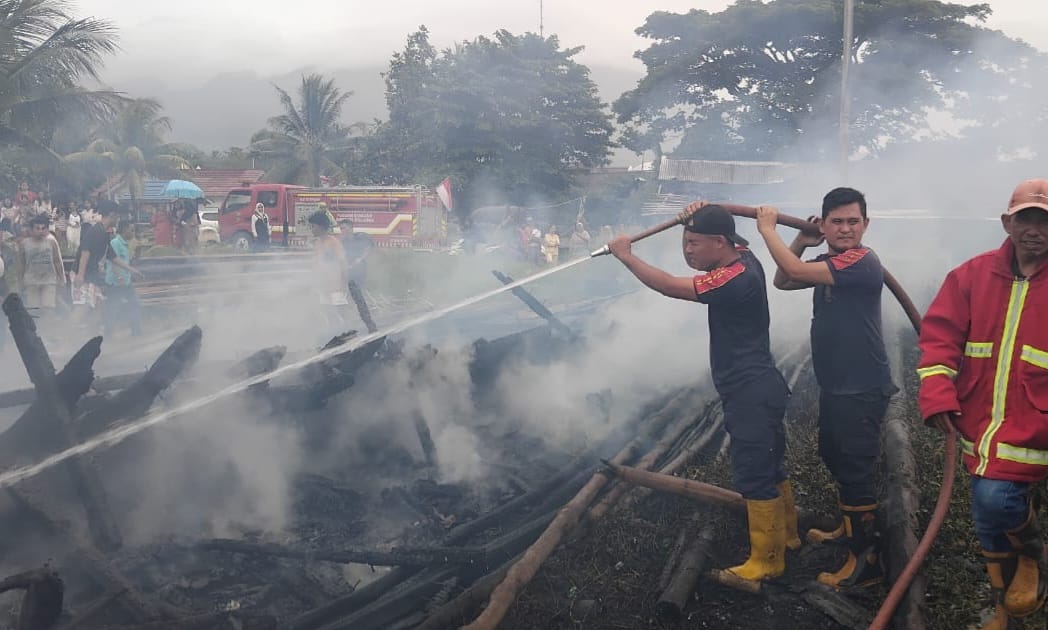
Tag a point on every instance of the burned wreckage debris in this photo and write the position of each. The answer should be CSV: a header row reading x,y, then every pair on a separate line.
x,y
441,550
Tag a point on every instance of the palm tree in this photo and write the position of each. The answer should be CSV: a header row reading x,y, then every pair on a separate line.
x,y
44,53
299,144
132,145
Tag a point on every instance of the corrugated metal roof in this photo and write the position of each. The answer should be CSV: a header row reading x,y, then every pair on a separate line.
x,y
665,204
152,192
726,172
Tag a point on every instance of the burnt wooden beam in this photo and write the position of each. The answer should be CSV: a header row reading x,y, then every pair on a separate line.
x,y
136,399
691,565
55,423
451,614
425,438
42,602
535,305
837,607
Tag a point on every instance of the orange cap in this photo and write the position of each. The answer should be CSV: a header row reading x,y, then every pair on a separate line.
x,y
1033,193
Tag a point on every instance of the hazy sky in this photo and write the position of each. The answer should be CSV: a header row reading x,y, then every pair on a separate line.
x,y
195,39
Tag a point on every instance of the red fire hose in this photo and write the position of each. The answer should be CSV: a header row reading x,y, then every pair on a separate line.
x,y
942,503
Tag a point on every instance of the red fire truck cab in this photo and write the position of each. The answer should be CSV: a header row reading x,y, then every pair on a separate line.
x,y
394,216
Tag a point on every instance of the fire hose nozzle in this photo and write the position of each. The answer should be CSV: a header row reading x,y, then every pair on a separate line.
x,y
603,251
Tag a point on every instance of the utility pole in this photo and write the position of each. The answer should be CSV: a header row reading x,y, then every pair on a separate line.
x,y
542,30
846,53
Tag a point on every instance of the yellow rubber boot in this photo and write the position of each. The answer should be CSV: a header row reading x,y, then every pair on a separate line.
x,y
793,541
767,540
999,567
862,566
1027,589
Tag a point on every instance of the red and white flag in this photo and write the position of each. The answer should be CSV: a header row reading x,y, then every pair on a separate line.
x,y
444,192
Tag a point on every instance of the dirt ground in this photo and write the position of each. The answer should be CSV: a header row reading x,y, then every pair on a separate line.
x,y
609,579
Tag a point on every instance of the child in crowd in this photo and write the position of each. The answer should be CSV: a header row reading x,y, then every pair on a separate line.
x,y
121,300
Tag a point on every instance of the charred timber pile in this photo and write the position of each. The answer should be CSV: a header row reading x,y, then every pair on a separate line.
x,y
68,505
115,585
257,582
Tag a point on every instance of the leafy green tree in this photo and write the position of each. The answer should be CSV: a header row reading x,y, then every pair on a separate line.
x,y
509,118
133,146
44,54
304,142
760,77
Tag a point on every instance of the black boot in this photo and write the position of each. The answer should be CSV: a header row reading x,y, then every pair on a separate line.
x,y
862,566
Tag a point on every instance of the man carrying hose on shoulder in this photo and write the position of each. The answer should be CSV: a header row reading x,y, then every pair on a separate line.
x,y
751,388
851,367
984,372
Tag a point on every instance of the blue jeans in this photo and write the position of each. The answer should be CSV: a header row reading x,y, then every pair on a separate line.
x,y
997,507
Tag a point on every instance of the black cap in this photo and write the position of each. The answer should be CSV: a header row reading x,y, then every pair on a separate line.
x,y
714,220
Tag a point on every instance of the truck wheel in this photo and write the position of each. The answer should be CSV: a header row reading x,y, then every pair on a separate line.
x,y
241,241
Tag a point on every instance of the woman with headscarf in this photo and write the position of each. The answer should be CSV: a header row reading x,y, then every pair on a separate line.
x,y
260,228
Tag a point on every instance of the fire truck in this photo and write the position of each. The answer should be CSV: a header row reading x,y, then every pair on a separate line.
x,y
394,216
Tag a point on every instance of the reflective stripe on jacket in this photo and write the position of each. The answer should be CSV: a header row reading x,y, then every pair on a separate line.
x,y
984,353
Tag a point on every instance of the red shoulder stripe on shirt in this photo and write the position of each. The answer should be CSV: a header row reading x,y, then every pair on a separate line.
x,y
718,277
848,258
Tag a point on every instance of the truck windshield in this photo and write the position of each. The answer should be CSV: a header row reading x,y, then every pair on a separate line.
x,y
236,200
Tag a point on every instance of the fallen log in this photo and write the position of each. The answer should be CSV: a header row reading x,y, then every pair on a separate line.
x,y
535,305
394,557
693,563
413,594
567,518
683,423
690,488
670,568
712,428
54,422
453,612
837,607
351,602
425,439
42,603
902,501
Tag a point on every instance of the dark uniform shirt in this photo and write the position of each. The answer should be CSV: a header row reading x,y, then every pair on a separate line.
x,y
740,348
95,241
847,343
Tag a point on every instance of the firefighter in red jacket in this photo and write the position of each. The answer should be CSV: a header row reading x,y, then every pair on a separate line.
x,y
984,372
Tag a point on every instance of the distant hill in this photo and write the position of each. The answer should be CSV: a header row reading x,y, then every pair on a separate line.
x,y
227,108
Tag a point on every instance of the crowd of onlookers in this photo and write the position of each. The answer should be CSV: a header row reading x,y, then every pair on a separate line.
x,y
37,235
543,248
